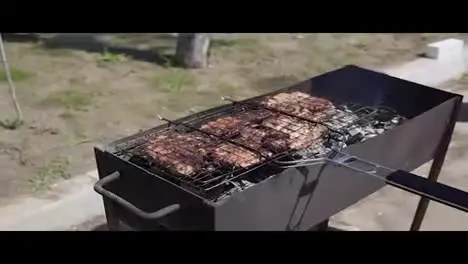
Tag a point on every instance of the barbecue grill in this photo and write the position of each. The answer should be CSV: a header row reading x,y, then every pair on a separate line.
x,y
364,130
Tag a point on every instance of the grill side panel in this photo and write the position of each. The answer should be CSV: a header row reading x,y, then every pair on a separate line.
x,y
266,206
406,147
150,193
370,88
298,199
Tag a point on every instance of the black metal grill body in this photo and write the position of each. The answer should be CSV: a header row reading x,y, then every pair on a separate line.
x,y
294,198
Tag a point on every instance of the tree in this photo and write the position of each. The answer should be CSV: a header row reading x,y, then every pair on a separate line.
x,y
15,123
192,50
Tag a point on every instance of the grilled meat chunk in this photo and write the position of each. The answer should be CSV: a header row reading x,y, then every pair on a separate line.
x,y
307,101
252,137
222,127
235,156
266,140
301,105
255,116
301,134
230,126
182,153
277,142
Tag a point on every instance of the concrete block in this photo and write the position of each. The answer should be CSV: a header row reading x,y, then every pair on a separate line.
x,y
445,49
428,71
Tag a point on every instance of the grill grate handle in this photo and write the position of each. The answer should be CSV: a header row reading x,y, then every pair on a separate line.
x,y
99,188
400,179
435,191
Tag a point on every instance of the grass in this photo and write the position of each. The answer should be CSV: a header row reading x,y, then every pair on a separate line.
x,y
59,52
174,81
75,100
109,57
49,173
11,124
242,50
78,133
243,43
17,75
41,47
225,89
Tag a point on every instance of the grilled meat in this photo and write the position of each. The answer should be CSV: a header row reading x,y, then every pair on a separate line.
x,y
262,130
266,140
235,155
277,142
312,103
301,105
255,116
230,126
301,134
252,137
182,153
222,126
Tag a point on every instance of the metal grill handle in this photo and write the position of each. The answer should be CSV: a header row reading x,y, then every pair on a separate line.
x,y
400,179
99,188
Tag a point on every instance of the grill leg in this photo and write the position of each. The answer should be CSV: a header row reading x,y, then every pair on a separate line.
x,y
323,226
113,223
436,167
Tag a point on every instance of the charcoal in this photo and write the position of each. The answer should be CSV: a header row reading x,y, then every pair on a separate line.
x,y
396,120
370,136
355,131
354,139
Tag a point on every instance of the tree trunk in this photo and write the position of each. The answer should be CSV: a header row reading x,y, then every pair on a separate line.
x,y
192,50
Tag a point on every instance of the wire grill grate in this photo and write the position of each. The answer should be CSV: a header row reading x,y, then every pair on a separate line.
x,y
188,160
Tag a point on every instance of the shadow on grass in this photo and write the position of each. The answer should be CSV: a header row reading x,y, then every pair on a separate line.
x,y
21,38
92,44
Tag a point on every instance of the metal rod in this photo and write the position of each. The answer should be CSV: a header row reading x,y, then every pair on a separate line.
x,y
436,167
432,190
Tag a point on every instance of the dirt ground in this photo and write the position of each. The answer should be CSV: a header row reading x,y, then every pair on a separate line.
x,y
95,224
80,90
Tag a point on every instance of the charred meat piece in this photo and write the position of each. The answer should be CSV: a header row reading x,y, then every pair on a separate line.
x,y
277,142
301,134
297,110
266,140
255,116
252,137
225,126
235,156
230,126
310,102
181,153
301,105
